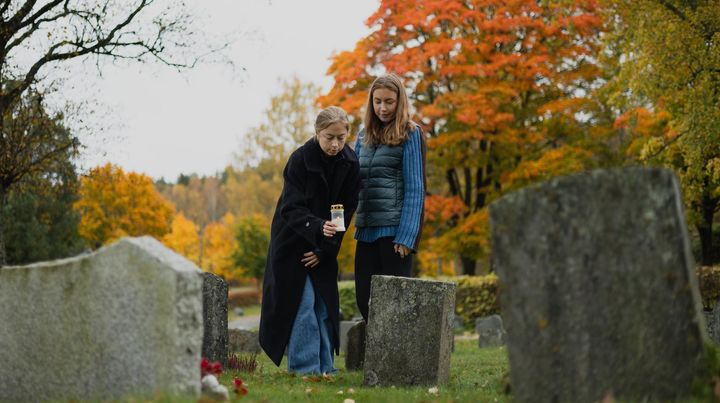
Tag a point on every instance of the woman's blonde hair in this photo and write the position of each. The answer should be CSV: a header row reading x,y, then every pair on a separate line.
x,y
329,116
394,132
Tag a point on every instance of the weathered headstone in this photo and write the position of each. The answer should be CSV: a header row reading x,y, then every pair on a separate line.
x,y
125,320
599,293
490,330
459,323
243,341
215,319
355,356
410,332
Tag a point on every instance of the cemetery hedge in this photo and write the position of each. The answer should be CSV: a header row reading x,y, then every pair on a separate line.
x,y
348,305
243,296
476,296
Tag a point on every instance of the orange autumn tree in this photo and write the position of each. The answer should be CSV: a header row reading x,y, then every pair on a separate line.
x,y
502,90
114,204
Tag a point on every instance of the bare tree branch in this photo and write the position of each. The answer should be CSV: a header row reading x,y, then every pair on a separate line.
x,y
673,9
21,14
4,8
666,145
33,27
81,50
42,11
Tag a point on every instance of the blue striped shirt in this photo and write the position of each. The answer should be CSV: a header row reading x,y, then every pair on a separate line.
x,y
408,231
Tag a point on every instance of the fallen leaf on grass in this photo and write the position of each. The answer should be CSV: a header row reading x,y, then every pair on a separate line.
x,y
608,398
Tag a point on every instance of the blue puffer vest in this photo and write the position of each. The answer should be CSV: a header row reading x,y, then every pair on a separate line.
x,y
381,186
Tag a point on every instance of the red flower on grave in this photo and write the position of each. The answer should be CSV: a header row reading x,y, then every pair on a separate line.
x,y
210,368
239,388
216,368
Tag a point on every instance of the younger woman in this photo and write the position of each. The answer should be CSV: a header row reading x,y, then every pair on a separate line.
x,y
300,304
391,150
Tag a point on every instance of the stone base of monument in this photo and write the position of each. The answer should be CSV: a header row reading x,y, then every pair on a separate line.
x,y
410,332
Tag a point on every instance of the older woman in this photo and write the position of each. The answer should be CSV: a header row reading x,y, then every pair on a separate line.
x,y
300,306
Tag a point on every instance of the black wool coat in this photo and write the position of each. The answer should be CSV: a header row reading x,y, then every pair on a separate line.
x,y
301,211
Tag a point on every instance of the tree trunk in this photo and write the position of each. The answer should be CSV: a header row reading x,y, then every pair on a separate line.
x,y
468,265
704,228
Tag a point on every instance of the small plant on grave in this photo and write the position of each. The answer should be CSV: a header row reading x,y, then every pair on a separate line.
x,y
244,363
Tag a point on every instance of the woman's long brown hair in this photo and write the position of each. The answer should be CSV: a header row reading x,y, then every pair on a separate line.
x,y
396,131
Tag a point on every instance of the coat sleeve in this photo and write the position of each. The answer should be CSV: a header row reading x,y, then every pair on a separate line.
x,y
294,207
330,247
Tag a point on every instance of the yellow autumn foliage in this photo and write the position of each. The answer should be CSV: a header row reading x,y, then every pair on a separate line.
x,y
218,246
183,238
113,204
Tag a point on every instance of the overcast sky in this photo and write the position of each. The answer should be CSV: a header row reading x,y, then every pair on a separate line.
x,y
164,123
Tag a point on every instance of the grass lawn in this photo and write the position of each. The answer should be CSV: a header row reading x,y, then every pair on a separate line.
x,y
476,375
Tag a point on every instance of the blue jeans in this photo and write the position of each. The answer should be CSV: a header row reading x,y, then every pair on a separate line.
x,y
310,350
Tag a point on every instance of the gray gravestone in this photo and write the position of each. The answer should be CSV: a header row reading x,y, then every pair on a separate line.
x,y
215,319
459,323
410,332
490,330
599,293
243,341
355,356
345,326
712,321
125,320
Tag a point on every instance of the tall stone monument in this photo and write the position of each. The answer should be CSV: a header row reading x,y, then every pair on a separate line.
x,y
598,290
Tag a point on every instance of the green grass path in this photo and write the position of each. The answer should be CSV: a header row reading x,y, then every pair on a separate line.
x,y
476,375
